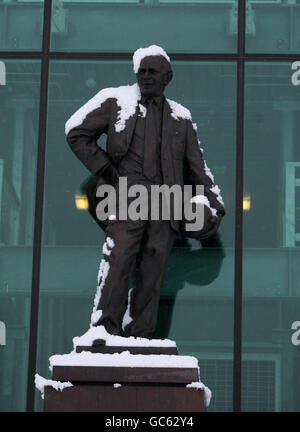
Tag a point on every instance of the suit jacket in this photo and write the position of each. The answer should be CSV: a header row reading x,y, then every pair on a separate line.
x,y
181,157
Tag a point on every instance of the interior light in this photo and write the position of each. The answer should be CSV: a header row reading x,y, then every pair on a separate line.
x,y
81,202
246,202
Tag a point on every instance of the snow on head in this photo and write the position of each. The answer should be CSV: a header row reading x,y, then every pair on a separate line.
x,y
152,50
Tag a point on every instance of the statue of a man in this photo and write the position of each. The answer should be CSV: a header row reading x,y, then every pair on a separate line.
x,y
151,140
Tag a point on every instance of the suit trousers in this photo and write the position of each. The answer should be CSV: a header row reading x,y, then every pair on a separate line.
x,y
144,244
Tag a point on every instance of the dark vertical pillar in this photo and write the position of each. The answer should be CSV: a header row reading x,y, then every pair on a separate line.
x,y
38,207
238,271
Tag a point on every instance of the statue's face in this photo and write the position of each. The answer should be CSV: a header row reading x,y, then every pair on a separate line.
x,y
153,76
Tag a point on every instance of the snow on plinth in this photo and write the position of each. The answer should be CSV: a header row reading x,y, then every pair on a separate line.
x,y
123,359
99,332
41,382
200,386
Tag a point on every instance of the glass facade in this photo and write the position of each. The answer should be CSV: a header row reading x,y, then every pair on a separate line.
x,y
121,26
19,117
245,100
21,25
271,240
273,26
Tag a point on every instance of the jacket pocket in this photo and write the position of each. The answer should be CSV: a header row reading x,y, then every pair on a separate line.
x,y
178,151
178,145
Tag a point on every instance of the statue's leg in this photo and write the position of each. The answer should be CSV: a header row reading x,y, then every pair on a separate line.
x,y
149,276
126,237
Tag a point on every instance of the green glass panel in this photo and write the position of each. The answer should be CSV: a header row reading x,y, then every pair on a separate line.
x,y
197,299
19,114
271,239
123,26
273,26
21,25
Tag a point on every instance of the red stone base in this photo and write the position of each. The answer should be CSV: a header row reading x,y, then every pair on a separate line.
x,y
96,397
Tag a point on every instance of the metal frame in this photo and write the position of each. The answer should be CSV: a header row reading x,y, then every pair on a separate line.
x,y
1,185
291,182
253,355
240,57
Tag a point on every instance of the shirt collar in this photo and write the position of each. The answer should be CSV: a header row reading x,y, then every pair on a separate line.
x,y
157,99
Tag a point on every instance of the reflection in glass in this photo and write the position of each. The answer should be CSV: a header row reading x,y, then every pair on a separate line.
x,y
124,26
199,280
271,239
19,108
272,26
21,25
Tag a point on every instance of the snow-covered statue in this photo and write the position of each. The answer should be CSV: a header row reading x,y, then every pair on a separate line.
x,y
151,141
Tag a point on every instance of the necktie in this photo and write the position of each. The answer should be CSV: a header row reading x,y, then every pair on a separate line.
x,y
149,164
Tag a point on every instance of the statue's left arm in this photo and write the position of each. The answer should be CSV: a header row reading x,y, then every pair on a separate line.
x,y
199,173
84,136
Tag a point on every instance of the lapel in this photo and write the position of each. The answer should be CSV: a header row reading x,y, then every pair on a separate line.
x,y
130,125
167,126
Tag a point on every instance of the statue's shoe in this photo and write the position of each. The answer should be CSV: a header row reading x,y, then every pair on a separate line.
x,y
97,342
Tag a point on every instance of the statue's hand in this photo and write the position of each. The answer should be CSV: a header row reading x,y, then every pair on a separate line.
x,y
213,220
114,175
111,175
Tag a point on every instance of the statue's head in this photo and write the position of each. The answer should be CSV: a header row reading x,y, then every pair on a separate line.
x,y
153,70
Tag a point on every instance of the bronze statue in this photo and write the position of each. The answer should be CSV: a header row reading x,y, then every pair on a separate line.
x,y
151,140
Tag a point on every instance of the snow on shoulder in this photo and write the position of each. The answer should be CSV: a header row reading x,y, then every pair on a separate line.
x,y
152,50
126,98
179,111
